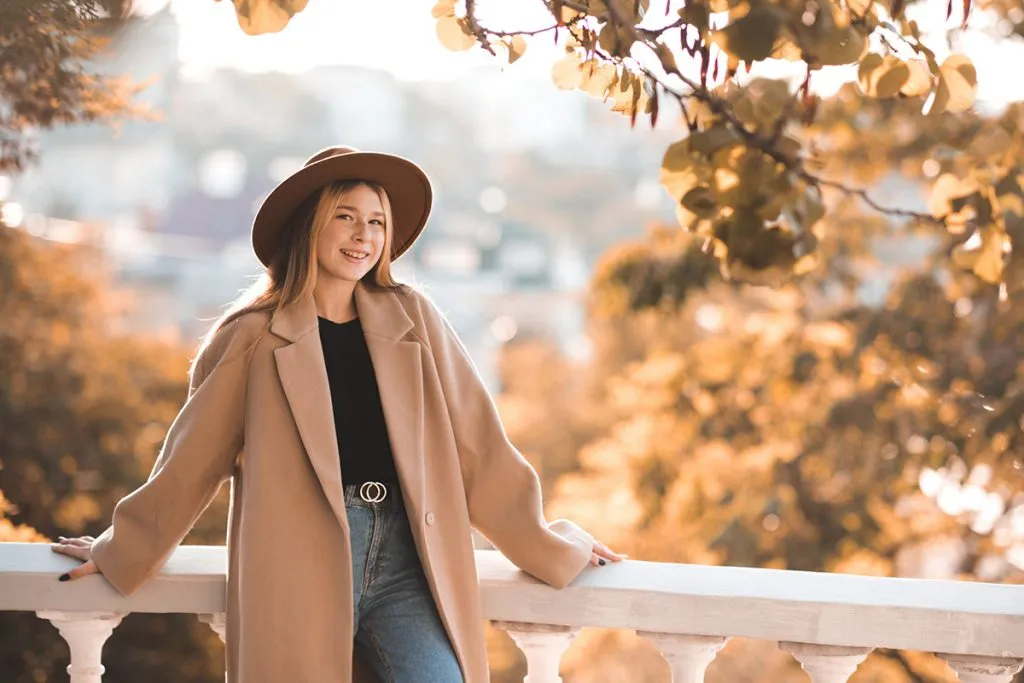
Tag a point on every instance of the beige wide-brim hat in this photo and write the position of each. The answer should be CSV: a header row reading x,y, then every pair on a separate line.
x,y
407,186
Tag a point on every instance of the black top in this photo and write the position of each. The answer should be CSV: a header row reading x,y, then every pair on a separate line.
x,y
358,416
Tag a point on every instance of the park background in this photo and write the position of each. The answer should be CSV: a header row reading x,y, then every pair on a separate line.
x,y
863,414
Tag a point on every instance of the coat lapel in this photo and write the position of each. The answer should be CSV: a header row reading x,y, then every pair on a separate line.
x,y
300,365
397,365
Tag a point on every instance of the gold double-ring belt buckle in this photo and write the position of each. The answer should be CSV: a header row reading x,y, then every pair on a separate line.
x,y
373,491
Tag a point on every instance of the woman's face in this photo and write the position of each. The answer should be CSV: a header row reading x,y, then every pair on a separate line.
x,y
352,242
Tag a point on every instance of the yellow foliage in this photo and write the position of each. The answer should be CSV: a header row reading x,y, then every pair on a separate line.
x,y
16,533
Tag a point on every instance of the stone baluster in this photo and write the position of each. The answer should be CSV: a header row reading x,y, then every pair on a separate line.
x,y
217,622
543,645
977,669
688,656
827,663
85,634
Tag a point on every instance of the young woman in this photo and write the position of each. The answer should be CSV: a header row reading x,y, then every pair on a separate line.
x,y
361,446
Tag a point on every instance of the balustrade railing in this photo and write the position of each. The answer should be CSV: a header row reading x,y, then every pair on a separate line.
x,y
828,622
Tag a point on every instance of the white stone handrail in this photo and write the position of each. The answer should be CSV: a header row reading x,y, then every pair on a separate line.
x,y
829,622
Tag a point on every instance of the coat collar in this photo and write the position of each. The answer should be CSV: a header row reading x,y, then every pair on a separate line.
x,y
379,310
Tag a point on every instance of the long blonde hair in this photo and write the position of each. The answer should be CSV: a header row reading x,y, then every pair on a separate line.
x,y
291,274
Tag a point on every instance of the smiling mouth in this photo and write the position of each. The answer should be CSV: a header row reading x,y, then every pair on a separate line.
x,y
355,255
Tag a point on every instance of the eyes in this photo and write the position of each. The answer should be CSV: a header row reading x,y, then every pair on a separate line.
x,y
349,217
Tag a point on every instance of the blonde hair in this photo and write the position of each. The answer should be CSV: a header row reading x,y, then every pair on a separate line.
x,y
291,274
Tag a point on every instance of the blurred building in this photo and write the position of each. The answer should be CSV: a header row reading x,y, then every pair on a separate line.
x,y
532,185
106,171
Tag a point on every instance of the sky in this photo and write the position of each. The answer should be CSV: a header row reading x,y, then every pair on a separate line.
x,y
368,34
362,33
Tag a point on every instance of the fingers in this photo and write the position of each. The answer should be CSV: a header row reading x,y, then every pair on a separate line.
x,y
76,551
79,549
601,551
80,571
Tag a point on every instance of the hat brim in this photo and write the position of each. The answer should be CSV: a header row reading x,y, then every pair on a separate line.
x,y
407,186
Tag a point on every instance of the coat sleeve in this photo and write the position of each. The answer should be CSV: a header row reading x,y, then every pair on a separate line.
x,y
502,488
197,456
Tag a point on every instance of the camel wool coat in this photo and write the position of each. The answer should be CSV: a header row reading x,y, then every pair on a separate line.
x,y
259,414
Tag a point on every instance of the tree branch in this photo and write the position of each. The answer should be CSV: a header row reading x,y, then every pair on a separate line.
x,y
534,32
751,138
719,106
476,29
653,33
510,34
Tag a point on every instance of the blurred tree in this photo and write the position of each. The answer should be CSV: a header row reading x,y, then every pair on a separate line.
x,y
795,428
791,428
45,46
748,174
83,414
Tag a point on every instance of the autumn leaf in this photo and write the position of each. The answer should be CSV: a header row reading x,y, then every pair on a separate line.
x,y
566,73
630,97
751,37
960,79
516,48
948,188
681,170
443,8
984,253
257,17
695,13
860,8
597,78
667,59
453,34
630,9
919,80
699,202
882,77
840,46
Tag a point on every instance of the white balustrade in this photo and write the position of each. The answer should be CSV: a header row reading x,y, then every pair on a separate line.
x,y
688,656
829,622
217,622
972,669
543,646
827,663
85,634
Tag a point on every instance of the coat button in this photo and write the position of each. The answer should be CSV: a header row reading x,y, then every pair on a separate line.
x,y
430,518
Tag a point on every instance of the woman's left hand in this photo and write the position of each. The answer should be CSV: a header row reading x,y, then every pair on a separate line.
x,y
603,553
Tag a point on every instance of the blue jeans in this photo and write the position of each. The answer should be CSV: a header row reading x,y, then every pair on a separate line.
x,y
397,626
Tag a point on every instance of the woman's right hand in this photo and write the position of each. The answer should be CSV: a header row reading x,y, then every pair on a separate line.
x,y
78,548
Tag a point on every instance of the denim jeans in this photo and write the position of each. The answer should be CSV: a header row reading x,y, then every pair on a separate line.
x,y
397,626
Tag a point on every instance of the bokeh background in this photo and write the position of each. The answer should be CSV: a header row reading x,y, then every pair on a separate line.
x,y
865,415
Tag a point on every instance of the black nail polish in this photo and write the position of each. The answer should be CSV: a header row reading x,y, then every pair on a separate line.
x,y
602,562
64,577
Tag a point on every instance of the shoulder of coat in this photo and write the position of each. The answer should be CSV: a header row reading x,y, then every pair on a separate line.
x,y
237,338
251,324
417,300
407,293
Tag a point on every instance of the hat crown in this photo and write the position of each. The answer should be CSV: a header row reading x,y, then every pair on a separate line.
x,y
329,152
